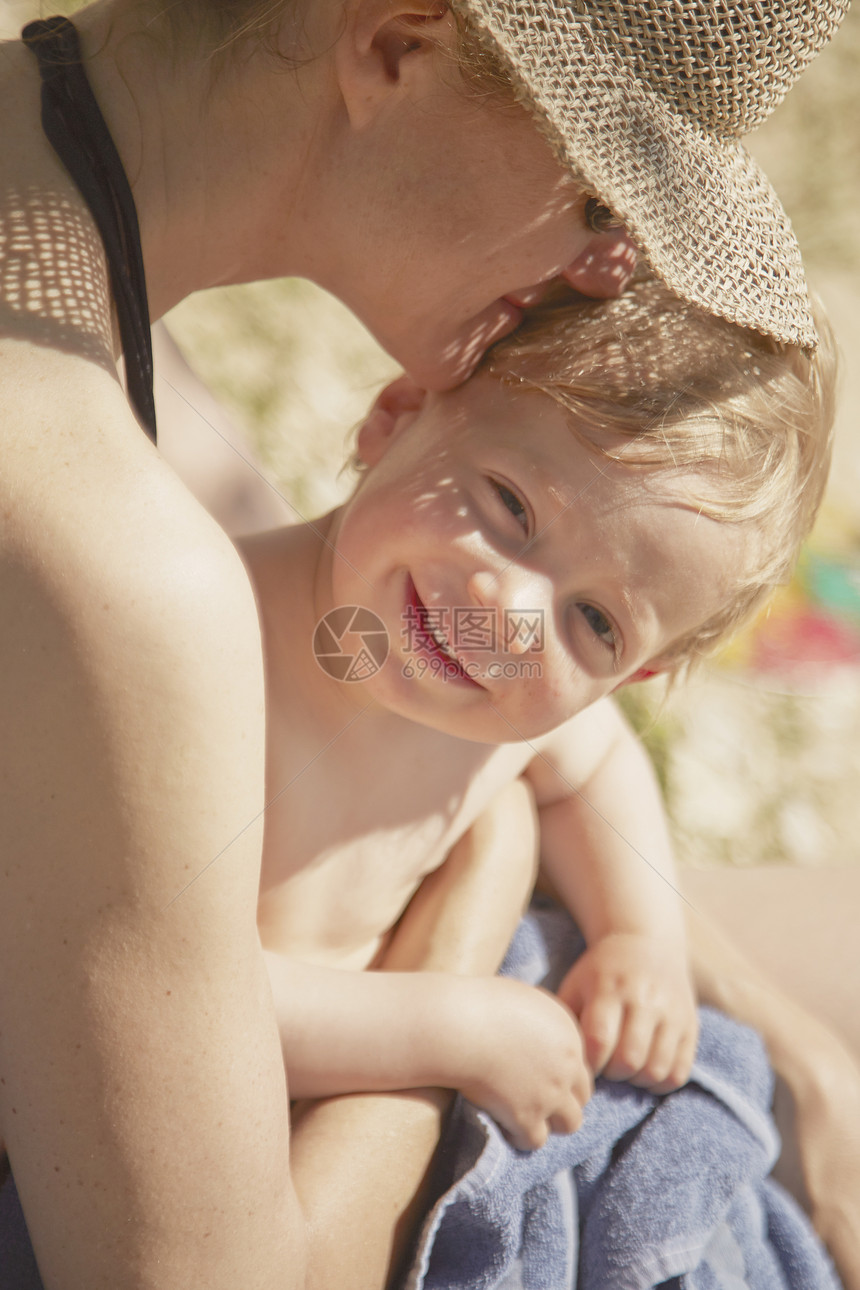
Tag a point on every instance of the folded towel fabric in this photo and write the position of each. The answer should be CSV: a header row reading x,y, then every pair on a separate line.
x,y
651,1191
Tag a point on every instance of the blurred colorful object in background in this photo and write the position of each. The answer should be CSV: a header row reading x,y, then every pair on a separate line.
x,y
809,626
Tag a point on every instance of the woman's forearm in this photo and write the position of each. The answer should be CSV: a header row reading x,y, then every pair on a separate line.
x,y
818,1089
727,979
362,1167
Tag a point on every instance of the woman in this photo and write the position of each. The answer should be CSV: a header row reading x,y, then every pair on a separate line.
x,y
376,148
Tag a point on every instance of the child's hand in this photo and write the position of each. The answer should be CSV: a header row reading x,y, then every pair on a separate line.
x,y
635,1004
525,1062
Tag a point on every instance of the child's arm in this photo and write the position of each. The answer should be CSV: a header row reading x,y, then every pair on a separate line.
x,y
512,1050
606,853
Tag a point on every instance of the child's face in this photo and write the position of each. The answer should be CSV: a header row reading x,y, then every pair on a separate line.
x,y
520,576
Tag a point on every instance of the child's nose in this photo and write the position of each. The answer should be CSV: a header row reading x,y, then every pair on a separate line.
x,y
489,590
510,593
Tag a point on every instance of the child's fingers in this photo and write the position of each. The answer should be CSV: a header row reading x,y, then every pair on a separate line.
x,y
681,1064
601,1023
659,1069
528,1137
582,1085
669,1059
635,1040
528,1133
566,1119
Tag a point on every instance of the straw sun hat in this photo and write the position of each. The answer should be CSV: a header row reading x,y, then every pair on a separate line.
x,y
644,101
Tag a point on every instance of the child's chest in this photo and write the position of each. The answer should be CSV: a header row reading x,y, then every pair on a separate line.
x,y
354,825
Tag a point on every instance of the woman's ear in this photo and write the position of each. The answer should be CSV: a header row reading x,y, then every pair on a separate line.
x,y
394,408
384,44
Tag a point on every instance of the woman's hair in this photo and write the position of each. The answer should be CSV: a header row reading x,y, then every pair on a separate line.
x,y
219,26
232,25
659,384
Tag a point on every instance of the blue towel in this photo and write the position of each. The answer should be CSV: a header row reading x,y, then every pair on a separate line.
x,y
669,1192
651,1191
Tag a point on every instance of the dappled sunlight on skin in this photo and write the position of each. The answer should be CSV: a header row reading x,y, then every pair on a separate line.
x,y
520,258
605,268
601,271
463,355
53,280
442,499
567,200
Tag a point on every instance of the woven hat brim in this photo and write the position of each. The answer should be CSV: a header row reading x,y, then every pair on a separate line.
x,y
700,207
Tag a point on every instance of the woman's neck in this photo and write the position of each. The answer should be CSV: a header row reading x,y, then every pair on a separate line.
x,y
219,162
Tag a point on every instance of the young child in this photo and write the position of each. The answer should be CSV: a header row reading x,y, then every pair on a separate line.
x,y
619,485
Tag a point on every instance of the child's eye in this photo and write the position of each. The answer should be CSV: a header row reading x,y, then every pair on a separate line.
x,y
513,504
599,623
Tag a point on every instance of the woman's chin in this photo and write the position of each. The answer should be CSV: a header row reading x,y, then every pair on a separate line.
x,y
447,359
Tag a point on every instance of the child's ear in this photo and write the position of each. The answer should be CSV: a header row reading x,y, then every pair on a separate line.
x,y
642,674
396,406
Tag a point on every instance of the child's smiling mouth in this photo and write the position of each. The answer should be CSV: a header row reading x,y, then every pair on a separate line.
x,y
431,641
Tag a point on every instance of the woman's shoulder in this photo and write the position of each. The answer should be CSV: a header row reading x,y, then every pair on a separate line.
x,y
24,151
53,276
58,376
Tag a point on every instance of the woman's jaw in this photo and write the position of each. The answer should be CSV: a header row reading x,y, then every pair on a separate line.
x,y
446,352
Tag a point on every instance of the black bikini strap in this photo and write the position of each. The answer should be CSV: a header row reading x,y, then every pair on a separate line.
x,y
76,130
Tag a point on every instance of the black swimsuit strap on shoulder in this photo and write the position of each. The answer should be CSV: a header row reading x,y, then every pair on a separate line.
x,y
76,129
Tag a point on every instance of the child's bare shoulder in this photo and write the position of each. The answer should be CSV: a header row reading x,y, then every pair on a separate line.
x,y
275,551
279,566
572,752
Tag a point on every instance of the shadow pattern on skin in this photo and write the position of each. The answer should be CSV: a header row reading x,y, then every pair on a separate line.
x,y
53,279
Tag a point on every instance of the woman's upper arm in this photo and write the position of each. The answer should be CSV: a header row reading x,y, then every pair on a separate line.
x,y
142,1097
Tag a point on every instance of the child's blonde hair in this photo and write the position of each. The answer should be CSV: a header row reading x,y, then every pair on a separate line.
x,y
656,382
